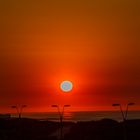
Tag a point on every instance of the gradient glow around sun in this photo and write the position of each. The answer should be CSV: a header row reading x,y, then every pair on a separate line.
x,y
66,86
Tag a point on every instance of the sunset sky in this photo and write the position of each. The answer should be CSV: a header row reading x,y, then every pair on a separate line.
x,y
93,43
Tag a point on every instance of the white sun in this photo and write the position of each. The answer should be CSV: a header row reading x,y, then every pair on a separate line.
x,y
66,86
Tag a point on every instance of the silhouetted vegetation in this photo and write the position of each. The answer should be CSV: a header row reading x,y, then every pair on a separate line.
x,y
106,129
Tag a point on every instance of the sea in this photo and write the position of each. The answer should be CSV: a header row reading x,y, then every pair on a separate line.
x,y
81,115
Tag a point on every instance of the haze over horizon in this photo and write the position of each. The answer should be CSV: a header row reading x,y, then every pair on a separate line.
x,y
94,44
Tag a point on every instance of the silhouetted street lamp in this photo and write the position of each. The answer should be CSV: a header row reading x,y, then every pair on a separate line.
x,y
19,109
124,115
61,115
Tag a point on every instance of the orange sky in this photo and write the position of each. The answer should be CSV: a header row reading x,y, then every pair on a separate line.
x,y
94,44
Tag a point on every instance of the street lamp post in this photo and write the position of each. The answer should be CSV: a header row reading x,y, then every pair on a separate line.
x,y
124,116
19,109
61,115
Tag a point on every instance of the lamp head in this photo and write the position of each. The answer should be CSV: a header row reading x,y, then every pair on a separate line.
x,y
54,105
131,103
66,105
14,106
115,104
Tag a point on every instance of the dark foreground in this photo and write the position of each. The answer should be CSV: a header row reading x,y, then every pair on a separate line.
x,y
29,129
